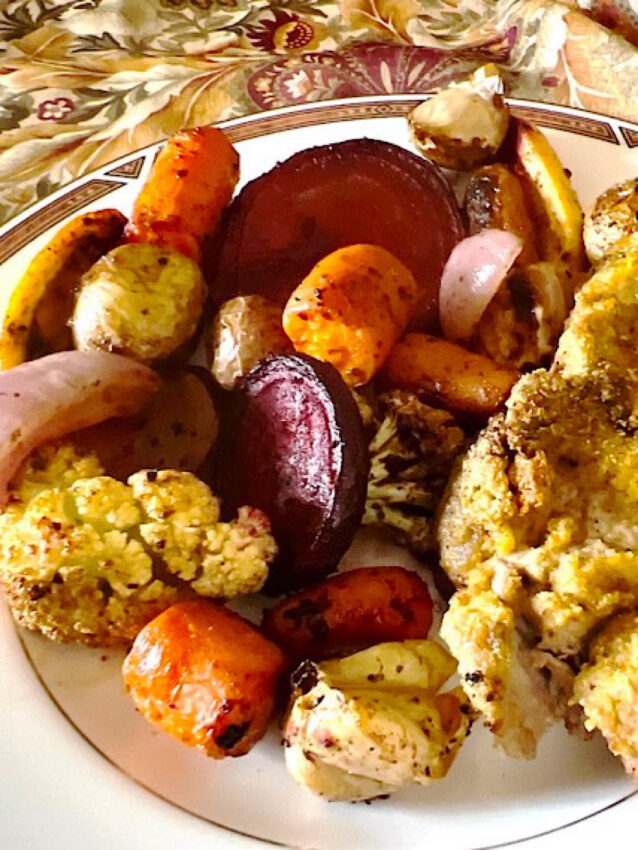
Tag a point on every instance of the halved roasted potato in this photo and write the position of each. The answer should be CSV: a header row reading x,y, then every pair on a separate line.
x,y
139,300
463,125
36,320
246,329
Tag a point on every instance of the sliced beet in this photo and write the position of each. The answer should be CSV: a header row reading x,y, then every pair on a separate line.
x,y
295,447
176,430
328,197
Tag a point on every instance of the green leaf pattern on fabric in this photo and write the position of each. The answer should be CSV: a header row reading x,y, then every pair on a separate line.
x,y
83,82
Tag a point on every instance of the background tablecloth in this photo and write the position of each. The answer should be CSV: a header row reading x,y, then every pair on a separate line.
x,y
86,81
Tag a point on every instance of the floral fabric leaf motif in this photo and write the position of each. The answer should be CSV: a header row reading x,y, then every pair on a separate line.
x,y
86,81
14,108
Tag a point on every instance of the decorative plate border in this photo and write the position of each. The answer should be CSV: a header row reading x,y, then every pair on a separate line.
x,y
75,197
267,841
581,124
53,213
131,169
630,135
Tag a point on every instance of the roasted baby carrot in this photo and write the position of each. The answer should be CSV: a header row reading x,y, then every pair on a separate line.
x,y
449,375
191,184
206,676
351,309
351,610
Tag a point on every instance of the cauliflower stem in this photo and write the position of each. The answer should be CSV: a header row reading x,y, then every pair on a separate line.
x,y
411,455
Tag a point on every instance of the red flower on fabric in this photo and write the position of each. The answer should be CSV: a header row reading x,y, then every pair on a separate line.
x,y
54,110
282,32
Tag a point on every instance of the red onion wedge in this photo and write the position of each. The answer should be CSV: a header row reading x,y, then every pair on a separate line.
x,y
472,275
47,398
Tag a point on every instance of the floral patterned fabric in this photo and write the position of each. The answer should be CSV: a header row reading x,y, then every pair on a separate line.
x,y
85,81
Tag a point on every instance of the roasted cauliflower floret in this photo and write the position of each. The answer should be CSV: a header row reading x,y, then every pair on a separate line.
x,y
367,724
93,559
607,688
498,670
601,337
54,465
542,512
532,493
612,218
139,300
219,559
411,455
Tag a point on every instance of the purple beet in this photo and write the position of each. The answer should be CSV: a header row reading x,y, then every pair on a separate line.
x,y
295,447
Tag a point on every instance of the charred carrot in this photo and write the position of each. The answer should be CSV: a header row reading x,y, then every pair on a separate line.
x,y
449,375
351,309
191,184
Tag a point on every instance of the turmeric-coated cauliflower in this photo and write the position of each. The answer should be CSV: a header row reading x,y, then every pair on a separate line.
x,y
607,688
86,558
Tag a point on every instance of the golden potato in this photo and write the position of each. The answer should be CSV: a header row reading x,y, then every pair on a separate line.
x,y
246,329
36,320
351,309
206,676
463,125
139,300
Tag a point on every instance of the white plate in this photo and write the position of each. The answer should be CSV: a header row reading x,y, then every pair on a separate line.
x,y
75,756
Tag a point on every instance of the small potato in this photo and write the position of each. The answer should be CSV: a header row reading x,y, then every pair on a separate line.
x,y
206,676
613,216
36,320
463,125
448,375
494,199
246,329
142,301
351,611
191,184
351,309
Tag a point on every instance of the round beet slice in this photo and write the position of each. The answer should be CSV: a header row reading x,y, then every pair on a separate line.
x,y
328,197
295,447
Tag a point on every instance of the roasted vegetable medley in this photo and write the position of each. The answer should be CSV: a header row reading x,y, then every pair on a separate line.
x,y
379,360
